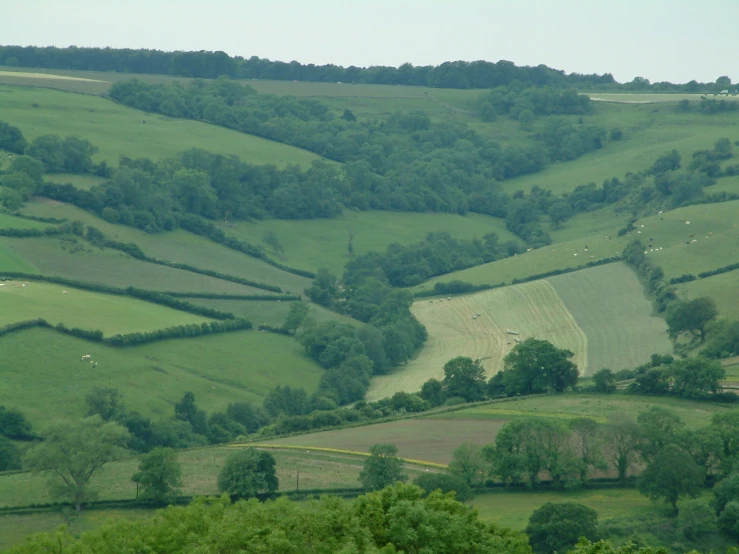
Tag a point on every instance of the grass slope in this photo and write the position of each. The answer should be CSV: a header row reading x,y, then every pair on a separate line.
x,y
724,289
177,246
315,243
117,130
40,364
533,309
87,310
268,312
609,305
8,221
10,260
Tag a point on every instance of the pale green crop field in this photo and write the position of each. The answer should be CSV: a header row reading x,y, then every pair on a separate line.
x,y
723,288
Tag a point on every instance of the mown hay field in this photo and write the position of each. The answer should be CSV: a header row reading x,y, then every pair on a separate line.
x,y
315,243
600,314
598,407
177,246
417,439
218,369
111,314
117,130
454,329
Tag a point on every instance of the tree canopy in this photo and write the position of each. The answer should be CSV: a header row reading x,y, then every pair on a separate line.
x,y
248,473
383,468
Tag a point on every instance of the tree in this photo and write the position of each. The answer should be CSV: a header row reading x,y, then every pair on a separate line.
x,y
28,165
383,468
295,317
691,316
444,482
728,521
247,415
588,445
658,428
105,402
464,377
78,155
667,162
535,366
468,463
14,425
10,456
696,519
324,288
187,410
248,473
160,475
622,437
526,119
670,475
604,381
432,391
725,491
72,453
49,150
11,138
557,527
271,239
558,212
696,377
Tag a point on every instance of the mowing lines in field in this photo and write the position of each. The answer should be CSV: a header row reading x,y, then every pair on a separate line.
x,y
454,328
609,304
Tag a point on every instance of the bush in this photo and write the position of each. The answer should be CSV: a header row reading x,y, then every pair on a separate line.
x,y
444,482
248,473
696,519
728,521
557,527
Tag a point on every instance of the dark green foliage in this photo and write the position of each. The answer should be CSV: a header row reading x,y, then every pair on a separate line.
x,y
535,366
695,520
160,476
445,483
11,138
14,425
286,400
691,316
658,428
634,255
557,527
670,475
728,521
725,491
187,410
70,154
295,317
622,440
464,377
106,402
248,473
248,416
382,469
667,162
28,165
723,339
696,377
604,381
432,392
10,455
324,289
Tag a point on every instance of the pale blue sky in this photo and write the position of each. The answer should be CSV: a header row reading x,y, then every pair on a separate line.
x,y
674,40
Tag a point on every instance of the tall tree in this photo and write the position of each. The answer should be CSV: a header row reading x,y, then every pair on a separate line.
x,y
105,402
160,475
622,439
247,473
71,454
383,468
696,377
691,316
468,463
670,475
588,446
464,377
557,527
535,366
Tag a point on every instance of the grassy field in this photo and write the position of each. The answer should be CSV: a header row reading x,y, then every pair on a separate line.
x,y
117,130
268,312
8,221
12,261
417,439
608,303
669,231
598,407
722,288
323,242
218,369
86,310
56,256
600,314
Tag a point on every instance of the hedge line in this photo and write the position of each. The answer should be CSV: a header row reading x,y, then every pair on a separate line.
x,y
602,261
98,237
276,330
148,295
685,278
20,325
25,233
217,296
180,331
718,271
20,215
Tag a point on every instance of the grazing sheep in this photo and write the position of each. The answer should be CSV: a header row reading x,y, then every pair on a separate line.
x,y
64,292
448,297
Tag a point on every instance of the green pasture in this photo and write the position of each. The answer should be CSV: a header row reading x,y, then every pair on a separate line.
x,y
649,131
22,301
315,243
117,130
8,221
44,377
598,407
178,246
609,305
723,288
430,440
12,261
77,259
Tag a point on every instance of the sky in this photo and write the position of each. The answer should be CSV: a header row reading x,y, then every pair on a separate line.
x,y
661,40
